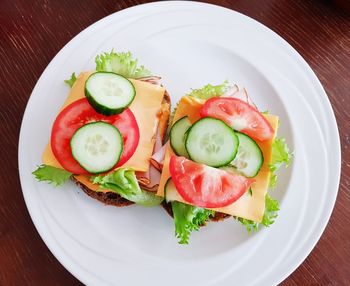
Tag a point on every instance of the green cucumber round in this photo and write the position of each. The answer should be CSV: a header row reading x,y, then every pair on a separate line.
x,y
212,142
168,187
249,158
109,93
97,146
170,192
177,136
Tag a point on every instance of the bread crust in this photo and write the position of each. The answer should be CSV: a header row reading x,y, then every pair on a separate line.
x,y
108,198
217,216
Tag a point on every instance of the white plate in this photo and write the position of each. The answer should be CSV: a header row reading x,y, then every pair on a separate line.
x,y
189,44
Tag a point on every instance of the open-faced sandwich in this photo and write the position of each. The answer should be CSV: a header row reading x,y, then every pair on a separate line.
x,y
112,122
217,161
220,160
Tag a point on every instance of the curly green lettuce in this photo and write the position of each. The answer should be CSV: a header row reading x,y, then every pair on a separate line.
x,y
270,214
124,182
188,218
280,155
121,63
209,91
52,175
72,80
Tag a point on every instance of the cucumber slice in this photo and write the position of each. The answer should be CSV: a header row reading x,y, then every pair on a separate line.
x,y
249,158
170,192
169,186
97,146
109,93
212,142
177,136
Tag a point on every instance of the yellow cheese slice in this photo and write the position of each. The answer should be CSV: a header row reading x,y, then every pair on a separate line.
x,y
146,107
249,207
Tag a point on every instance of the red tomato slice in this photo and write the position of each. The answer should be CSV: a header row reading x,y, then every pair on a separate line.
x,y
205,186
78,114
239,115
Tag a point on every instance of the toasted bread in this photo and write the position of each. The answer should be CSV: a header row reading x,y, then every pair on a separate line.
x,y
112,198
217,216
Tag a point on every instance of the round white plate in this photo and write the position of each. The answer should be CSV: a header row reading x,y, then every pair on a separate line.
x,y
189,44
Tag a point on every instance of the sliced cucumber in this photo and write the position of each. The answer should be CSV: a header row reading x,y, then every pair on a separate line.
x,y
249,158
230,169
212,142
177,136
170,192
97,146
169,186
109,93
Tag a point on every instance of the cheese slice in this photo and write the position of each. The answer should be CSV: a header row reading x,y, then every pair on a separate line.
x,y
248,207
146,107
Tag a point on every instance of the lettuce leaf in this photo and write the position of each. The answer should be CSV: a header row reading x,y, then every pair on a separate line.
x,y
120,63
52,175
280,155
188,218
209,91
72,80
271,211
124,182
270,214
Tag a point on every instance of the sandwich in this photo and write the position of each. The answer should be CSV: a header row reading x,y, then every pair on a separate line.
x,y
112,122
220,160
214,157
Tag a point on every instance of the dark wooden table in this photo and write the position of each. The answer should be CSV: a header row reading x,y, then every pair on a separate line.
x,y
32,32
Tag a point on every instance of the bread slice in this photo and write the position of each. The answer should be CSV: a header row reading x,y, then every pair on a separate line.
x,y
217,216
112,198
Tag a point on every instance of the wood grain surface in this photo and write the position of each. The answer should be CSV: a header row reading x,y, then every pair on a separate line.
x,y
32,32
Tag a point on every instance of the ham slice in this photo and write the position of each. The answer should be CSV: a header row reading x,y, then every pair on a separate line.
x,y
159,149
151,79
158,144
241,94
149,180
154,175
231,91
157,158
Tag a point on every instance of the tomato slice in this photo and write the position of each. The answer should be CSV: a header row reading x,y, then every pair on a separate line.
x,y
205,186
80,113
240,116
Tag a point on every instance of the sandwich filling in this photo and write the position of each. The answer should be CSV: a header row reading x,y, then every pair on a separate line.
x,y
220,160
248,206
151,113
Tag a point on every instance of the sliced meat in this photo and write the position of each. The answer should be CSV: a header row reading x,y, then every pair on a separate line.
x,y
149,180
157,158
151,79
241,94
